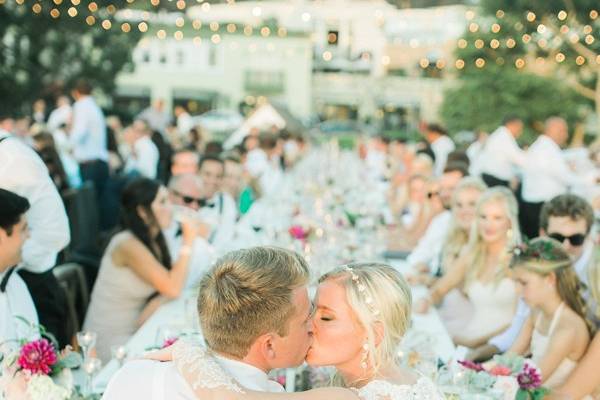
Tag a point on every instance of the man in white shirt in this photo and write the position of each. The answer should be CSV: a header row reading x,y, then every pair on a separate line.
x,y
14,295
501,156
23,172
568,219
220,210
61,115
263,163
248,327
143,154
546,174
185,122
186,193
156,116
441,145
427,254
89,141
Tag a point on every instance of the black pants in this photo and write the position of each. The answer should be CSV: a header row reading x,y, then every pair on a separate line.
x,y
50,303
529,218
96,171
492,181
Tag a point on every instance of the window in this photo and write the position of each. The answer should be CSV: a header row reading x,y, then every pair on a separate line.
x,y
264,82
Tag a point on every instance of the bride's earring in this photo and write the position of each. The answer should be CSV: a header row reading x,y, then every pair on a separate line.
x,y
365,356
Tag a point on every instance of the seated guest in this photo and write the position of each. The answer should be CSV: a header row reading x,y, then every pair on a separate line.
x,y
220,211
456,307
137,266
263,163
43,143
186,190
481,271
585,380
14,296
23,172
556,332
143,156
185,162
426,255
568,219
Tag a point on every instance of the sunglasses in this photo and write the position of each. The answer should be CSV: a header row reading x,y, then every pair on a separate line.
x,y
575,240
190,199
432,194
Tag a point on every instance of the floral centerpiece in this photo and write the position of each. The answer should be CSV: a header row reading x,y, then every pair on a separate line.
x,y
35,370
513,375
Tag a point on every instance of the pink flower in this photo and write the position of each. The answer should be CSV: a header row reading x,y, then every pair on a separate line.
x,y
501,370
37,357
529,378
468,364
281,380
169,341
298,232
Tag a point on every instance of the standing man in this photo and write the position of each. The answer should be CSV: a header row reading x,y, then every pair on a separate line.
x,y
88,138
441,145
546,174
501,155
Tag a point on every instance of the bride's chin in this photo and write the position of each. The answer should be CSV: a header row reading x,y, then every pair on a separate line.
x,y
313,359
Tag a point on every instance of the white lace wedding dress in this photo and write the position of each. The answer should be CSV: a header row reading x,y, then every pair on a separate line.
x,y
201,370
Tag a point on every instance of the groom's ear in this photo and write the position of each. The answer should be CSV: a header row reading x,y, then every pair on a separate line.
x,y
266,346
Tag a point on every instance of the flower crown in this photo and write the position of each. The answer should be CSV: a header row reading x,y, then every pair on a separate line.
x,y
541,249
362,289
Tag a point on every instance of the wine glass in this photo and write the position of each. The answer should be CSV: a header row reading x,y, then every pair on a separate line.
x,y
91,366
119,353
87,341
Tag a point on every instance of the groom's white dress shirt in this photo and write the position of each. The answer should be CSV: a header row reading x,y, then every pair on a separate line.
x,y
152,380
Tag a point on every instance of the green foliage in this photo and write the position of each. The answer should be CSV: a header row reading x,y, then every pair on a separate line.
x,y
41,56
510,38
483,99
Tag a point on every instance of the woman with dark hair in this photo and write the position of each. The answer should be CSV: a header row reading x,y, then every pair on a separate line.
x,y
136,265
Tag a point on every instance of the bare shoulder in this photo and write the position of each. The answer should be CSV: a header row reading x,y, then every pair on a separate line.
x,y
573,326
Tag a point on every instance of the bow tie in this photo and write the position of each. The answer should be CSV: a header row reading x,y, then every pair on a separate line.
x,y
5,279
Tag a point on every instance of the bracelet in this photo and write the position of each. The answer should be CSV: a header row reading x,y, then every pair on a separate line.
x,y
185,250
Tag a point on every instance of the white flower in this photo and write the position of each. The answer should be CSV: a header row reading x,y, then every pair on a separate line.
x,y
508,386
41,387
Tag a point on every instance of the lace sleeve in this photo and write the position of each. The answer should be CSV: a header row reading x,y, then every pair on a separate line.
x,y
200,369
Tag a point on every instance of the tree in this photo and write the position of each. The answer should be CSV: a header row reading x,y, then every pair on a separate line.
x,y
45,47
484,98
553,40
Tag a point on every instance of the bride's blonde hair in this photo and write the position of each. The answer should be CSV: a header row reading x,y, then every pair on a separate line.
x,y
377,294
476,248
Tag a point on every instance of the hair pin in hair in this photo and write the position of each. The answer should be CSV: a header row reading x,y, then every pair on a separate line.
x,y
362,289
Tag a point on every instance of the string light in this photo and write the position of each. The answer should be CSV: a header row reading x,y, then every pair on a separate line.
x,y
519,63
106,24
500,14
480,63
560,57
593,14
462,43
424,63
580,60
562,15
496,28
178,35
494,43
530,16
459,64
479,44
510,43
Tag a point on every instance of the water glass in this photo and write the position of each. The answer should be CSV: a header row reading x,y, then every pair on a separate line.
x,y
87,341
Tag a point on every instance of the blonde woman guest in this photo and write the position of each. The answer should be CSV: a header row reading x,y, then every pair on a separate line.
x,y
137,266
364,306
585,379
482,271
556,332
456,309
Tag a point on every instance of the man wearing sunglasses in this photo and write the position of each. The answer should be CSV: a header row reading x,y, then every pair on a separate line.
x,y
186,190
567,218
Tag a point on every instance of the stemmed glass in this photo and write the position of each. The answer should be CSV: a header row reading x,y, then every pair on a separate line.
x,y
87,341
91,366
119,353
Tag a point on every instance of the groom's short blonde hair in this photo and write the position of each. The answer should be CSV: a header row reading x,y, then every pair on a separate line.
x,y
248,293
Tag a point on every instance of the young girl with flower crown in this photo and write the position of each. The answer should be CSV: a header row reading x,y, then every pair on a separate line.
x,y
556,333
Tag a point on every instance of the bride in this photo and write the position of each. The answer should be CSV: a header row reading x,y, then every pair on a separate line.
x,y
362,312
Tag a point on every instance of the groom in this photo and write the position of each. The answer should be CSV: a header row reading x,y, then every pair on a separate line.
x,y
254,314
